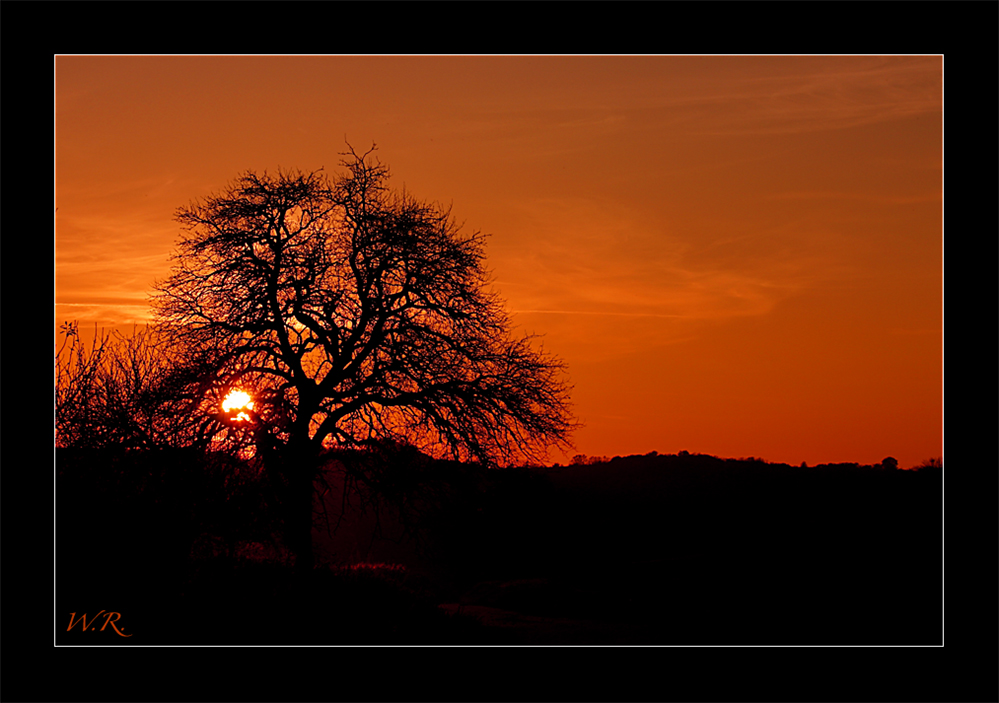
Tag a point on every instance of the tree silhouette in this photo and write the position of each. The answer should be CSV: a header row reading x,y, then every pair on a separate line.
x,y
353,314
135,392
109,395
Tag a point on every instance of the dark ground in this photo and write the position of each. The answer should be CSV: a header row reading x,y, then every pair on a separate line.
x,y
672,550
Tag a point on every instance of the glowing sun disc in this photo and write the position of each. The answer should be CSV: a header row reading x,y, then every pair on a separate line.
x,y
236,400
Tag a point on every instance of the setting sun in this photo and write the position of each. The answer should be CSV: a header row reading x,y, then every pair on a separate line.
x,y
235,400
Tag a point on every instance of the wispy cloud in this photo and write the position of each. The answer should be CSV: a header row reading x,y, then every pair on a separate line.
x,y
805,94
594,312
875,198
106,265
720,96
591,258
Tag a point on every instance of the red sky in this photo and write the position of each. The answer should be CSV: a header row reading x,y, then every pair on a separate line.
x,y
739,256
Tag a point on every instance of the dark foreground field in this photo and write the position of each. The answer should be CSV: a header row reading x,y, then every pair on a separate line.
x,y
671,550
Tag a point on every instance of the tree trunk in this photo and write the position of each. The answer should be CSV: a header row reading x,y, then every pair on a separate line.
x,y
299,466
299,521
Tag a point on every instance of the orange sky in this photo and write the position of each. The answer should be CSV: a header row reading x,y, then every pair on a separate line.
x,y
739,256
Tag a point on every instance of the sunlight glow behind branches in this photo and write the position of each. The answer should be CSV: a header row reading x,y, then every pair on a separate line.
x,y
235,400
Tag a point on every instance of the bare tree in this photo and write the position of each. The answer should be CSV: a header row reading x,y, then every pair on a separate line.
x,y
104,392
135,392
353,314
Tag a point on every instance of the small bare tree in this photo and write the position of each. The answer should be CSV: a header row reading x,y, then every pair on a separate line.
x,y
135,392
102,393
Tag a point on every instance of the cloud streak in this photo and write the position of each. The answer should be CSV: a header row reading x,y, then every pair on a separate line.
x,y
721,96
590,258
815,94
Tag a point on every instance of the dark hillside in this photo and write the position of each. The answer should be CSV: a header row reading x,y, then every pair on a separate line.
x,y
644,549
700,549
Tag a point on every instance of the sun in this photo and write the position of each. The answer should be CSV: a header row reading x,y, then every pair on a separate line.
x,y
235,400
